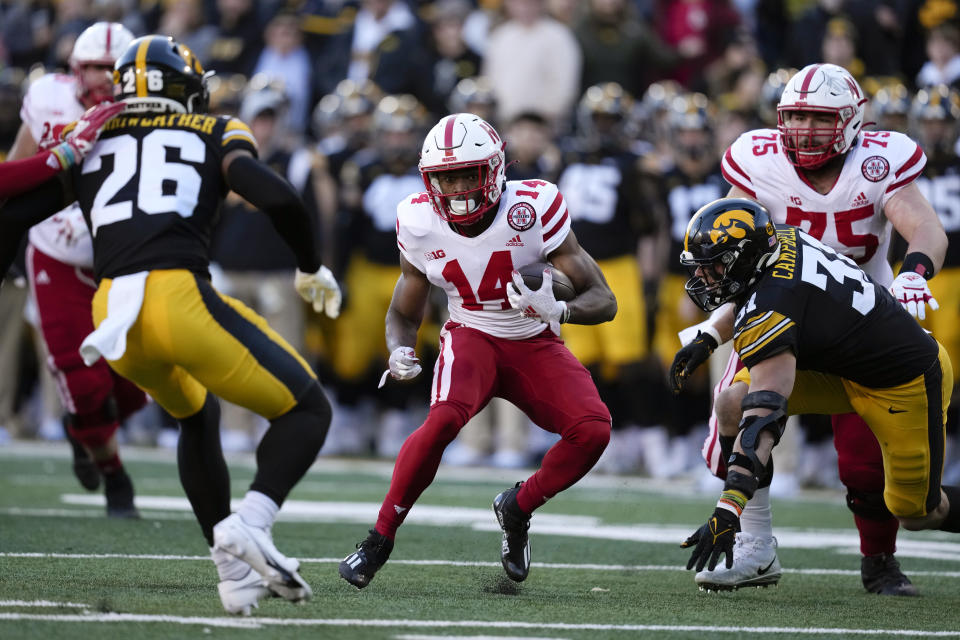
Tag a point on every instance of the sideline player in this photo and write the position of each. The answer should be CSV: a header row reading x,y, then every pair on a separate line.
x,y
815,330
467,233
845,187
150,191
59,264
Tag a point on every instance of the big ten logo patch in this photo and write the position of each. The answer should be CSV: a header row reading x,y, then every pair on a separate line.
x,y
435,255
521,216
875,168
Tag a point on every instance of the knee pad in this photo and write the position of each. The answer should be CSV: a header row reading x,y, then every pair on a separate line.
x,y
867,504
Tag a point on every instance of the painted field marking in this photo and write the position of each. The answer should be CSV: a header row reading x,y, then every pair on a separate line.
x,y
256,623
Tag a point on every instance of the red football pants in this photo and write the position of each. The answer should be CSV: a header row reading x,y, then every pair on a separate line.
x,y
63,294
540,376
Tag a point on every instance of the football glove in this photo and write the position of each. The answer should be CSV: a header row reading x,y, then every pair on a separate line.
x,y
690,356
320,289
713,539
404,365
540,304
83,135
911,290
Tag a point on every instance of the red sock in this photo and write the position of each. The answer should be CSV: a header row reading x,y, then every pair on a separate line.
x,y
877,536
566,462
111,465
417,464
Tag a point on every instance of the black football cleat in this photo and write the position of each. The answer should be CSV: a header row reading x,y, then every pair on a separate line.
x,y
119,492
515,548
881,574
84,468
359,567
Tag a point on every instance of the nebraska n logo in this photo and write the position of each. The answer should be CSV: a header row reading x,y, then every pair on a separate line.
x,y
728,223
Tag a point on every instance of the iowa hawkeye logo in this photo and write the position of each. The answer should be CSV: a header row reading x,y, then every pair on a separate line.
x,y
728,225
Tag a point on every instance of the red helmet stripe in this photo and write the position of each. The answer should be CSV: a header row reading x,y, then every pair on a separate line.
x,y
807,79
448,135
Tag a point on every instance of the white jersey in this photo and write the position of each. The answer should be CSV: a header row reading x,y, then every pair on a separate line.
x,y
849,218
51,104
531,222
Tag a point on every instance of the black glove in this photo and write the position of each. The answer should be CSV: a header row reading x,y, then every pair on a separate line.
x,y
713,539
689,358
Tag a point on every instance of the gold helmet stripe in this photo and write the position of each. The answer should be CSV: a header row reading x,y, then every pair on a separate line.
x,y
140,65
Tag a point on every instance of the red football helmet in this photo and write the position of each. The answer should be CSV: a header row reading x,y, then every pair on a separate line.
x,y
821,88
460,141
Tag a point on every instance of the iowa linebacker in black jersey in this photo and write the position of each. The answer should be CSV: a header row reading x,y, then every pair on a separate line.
x,y
811,326
150,191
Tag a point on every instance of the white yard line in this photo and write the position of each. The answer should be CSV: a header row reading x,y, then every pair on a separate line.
x,y
42,603
448,563
255,623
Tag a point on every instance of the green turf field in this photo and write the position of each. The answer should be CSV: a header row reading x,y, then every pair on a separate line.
x,y
607,563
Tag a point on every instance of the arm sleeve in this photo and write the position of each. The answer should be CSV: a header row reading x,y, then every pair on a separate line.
x,y
18,176
24,211
270,193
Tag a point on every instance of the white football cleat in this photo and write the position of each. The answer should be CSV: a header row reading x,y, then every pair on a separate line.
x,y
255,547
755,564
240,597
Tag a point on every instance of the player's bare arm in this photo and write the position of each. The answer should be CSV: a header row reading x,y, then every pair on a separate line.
x,y
406,307
775,374
915,219
24,145
595,302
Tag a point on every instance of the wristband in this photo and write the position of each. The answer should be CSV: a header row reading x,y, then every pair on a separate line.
x,y
733,501
64,154
711,331
919,263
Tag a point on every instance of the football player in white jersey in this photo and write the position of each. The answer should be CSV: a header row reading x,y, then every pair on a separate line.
x,y
845,187
467,233
59,267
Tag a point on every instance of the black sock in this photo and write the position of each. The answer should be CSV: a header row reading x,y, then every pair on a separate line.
x,y
291,445
952,521
203,471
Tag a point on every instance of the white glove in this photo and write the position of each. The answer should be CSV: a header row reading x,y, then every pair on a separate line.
x,y
320,289
404,365
540,304
911,290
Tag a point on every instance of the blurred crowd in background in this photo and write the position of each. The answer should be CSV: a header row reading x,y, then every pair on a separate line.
x,y
626,104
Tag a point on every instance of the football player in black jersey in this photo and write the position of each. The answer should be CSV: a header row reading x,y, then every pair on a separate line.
x,y
813,329
150,191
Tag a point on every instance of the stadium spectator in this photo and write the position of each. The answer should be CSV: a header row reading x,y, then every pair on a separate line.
x,y
943,49
695,29
184,20
533,62
239,37
618,46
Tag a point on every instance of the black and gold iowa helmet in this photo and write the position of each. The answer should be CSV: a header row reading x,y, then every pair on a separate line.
x,y
158,74
727,246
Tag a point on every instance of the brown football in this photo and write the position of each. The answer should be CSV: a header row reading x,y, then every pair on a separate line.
x,y
532,275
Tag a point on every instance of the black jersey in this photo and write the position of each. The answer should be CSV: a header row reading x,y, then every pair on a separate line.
x,y
832,315
607,209
684,195
940,184
151,190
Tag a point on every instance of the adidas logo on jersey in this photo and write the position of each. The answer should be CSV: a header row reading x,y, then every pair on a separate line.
x,y
43,277
861,200
515,241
